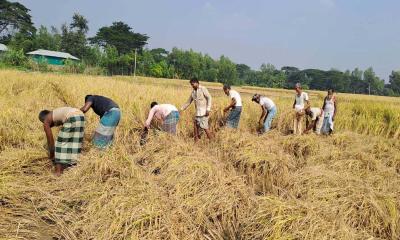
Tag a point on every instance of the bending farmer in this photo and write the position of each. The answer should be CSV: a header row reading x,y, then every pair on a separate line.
x,y
65,151
109,114
269,111
167,114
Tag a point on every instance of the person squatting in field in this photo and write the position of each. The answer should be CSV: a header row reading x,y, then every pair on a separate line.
x,y
65,151
301,101
202,102
234,108
315,117
109,113
167,114
330,110
269,111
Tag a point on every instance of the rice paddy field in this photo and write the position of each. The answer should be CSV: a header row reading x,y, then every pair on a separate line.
x,y
239,186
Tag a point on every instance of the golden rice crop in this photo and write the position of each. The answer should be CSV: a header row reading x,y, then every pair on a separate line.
x,y
239,186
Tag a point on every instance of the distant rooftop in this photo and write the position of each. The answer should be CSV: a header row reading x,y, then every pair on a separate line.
x,y
49,53
3,47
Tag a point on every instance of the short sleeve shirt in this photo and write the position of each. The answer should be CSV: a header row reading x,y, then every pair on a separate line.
x,y
101,105
267,103
300,100
234,94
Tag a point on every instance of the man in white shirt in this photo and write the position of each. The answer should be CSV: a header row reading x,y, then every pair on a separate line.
x,y
316,115
301,101
269,111
235,107
167,114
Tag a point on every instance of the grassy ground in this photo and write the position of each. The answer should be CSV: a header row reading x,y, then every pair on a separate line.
x,y
241,186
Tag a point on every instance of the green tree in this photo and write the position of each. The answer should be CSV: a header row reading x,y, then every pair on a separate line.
x,y
291,75
269,76
109,59
47,40
387,91
243,71
159,54
253,78
357,84
93,56
227,72
187,64
267,68
21,41
209,69
15,57
14,17
79,23
288,69
343,84
120,35
375,85
278,79
125,64
394,82
73,37
144,62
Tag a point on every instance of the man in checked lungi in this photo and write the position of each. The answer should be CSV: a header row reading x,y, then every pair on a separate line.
x,y
202,102
64,152
167,114
269,112
109,113
235,107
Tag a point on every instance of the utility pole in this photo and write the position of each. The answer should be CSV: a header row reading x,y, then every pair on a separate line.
x,y
134,69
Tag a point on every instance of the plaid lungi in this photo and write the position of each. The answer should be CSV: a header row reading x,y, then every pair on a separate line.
x,y
69,141
233,118
104,134
170,122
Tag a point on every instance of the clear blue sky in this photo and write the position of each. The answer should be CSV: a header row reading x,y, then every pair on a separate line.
x,y
325,34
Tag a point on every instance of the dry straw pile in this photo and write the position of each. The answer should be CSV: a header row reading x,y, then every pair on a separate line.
x,y
240,186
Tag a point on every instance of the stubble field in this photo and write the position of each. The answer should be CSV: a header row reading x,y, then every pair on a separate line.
x,y
240,186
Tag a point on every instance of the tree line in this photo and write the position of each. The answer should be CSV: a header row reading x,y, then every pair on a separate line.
x,y
112,52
